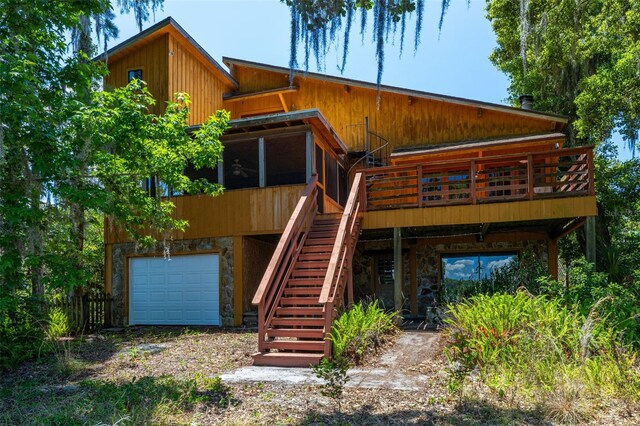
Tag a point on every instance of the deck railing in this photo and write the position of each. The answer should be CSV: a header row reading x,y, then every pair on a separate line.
x,y
339,272
511,177
284,258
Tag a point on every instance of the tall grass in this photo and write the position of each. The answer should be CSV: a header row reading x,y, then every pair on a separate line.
x,y
361,329
526,347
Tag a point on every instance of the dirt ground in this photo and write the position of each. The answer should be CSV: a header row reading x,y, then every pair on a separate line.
x,y
129,377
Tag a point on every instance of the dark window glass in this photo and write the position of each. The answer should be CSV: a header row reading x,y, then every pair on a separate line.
x,y
152,188
331,173
285,160
343,186
208,173
319,168
241,164
134,74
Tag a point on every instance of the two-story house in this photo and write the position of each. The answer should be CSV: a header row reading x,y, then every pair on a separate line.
x,y
336,189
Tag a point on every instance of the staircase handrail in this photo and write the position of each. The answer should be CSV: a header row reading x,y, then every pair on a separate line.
x,y
284,257
343,247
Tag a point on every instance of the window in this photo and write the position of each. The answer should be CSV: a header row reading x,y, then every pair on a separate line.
x,y
134,75
149,185
343,180
285,159
464,275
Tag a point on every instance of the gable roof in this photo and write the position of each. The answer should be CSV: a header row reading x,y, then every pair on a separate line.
x,y
230,62
167,25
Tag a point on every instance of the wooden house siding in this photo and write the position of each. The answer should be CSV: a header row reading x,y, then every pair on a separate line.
x,y
404,121
240,212
152,58
189,73
514,211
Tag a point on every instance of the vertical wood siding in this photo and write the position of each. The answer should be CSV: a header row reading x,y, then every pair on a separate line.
x,y
403,123
188,73
152,58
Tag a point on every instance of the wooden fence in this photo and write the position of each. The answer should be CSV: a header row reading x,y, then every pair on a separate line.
x,y
87,313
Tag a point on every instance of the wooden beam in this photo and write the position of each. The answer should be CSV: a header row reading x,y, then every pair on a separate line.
x,y
230,97
238,281
568,228
414,281
282,101
397,269
262,169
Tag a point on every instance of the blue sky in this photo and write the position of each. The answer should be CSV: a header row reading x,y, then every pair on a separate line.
x,y
454,62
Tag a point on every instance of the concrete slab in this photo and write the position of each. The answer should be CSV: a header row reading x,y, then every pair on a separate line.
x,y
411,347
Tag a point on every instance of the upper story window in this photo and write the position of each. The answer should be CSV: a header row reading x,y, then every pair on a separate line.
x,y
134,75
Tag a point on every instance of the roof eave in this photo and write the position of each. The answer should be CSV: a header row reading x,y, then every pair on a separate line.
x,y
169,21
400,90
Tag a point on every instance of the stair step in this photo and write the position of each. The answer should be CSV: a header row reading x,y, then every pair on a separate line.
x,y
315,256
303,291
306,264
299,301
305,282
321,233
320,242
301,333
326,248
309,273
296,345
301,322
286,359
298,311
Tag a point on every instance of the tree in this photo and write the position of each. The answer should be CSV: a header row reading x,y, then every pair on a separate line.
x,y
66,146
316,24
578,58
582,59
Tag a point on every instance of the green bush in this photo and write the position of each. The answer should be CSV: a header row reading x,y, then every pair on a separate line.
x,y
21,332
590,291
361,329
530,346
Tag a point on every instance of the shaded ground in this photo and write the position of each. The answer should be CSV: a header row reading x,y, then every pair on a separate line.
x,y
160,376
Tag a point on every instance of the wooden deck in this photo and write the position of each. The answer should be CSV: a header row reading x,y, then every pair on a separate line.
x,y
513,177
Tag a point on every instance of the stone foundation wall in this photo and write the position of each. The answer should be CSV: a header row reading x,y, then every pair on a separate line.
x,y
120,252
427,266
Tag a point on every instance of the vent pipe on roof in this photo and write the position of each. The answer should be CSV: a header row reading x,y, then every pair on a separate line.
x,y
526,101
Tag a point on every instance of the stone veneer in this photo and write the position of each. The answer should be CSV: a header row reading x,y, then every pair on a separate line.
x,y
427,266
222,244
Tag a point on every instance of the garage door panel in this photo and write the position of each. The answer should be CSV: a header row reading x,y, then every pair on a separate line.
x,y
181,291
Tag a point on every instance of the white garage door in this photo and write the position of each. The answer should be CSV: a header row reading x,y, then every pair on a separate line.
x,y
183,290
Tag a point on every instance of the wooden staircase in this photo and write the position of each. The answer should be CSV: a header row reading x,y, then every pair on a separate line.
x,y
310,267
296,333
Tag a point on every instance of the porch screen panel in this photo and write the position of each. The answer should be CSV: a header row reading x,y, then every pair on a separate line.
x,y
285,159
343,181
241,164
331,176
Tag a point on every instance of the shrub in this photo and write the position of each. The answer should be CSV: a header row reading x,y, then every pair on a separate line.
x,y
592,292
530,346
361,329
21,331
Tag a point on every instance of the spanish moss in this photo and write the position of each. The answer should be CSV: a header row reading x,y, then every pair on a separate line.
x,y
443,11
419,17
315,25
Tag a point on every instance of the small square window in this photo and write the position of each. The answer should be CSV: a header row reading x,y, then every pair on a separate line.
x,y
134,74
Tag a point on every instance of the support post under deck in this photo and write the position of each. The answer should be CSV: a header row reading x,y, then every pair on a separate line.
x,y
397,269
